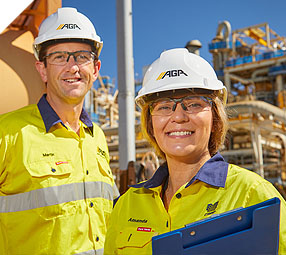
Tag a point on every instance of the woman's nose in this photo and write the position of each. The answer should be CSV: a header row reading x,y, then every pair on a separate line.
x,y
179,114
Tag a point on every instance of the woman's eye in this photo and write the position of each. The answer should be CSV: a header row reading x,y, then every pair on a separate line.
x,y
163,106
195,105
190,104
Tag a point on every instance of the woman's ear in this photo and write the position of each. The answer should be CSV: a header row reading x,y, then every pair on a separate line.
x,y
213,127
97,66
40,66
151,131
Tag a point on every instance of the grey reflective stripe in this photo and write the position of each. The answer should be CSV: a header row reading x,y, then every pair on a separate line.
x,y
91,252
115,191
55,195
98,189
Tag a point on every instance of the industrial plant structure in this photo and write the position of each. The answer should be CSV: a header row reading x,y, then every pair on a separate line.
x,y
250,61
252,64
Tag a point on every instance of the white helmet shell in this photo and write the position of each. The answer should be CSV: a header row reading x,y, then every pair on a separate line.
x,y
179,69
66,23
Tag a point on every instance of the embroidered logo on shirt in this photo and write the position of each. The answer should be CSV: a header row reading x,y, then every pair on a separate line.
x,y
211,208
137,220
50,154
61,162
144,229
101,152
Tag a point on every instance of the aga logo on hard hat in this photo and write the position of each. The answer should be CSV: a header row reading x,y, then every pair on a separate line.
x,y
171,73
68,26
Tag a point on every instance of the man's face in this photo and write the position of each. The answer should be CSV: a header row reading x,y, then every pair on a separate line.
x,y
70,82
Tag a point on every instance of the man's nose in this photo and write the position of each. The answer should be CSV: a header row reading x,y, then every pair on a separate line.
x,y
72,64
72,57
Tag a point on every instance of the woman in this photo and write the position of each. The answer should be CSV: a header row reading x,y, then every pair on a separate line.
x,y
184,118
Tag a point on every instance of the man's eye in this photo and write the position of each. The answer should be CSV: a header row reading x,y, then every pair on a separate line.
x,y
82,56
59,56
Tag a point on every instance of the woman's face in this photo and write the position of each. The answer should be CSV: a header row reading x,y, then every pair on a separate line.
x,y
184,134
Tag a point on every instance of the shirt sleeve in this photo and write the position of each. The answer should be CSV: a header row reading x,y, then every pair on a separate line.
x,y
3,152
264,191
114,187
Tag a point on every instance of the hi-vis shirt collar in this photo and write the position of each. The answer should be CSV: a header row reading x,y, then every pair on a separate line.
x,y
213,172
51,118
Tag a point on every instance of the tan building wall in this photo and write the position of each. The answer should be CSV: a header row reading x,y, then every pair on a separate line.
x,y
20,82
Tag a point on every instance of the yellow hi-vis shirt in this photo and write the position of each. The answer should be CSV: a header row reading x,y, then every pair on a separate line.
x,y
139,214
56,188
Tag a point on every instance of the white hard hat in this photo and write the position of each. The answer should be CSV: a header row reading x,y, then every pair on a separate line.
x,y
179,69
66,23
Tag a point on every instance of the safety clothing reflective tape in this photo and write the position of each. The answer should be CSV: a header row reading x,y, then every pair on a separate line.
x,y
92,252
55,195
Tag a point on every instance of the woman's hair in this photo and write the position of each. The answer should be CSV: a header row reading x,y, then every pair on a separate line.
x,y
218,134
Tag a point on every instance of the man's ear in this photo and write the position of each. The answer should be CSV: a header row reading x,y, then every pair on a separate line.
x,y
97,66
40,66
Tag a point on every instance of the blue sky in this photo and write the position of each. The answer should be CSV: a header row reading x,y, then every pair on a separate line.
x,y
164,24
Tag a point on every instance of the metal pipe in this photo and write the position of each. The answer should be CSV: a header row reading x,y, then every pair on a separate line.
x,y
257,148
246,28
279,83
227,80
260,71
257,64
125,74
257,107
227,30
247,81
267,36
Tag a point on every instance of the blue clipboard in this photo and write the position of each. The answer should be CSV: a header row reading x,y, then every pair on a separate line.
x,y
251,230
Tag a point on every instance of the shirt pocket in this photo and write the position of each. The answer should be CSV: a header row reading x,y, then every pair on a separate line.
x,y
104,167
46,173
137,242
53,195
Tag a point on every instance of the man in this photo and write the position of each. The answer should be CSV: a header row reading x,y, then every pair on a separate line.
x,y
56,186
